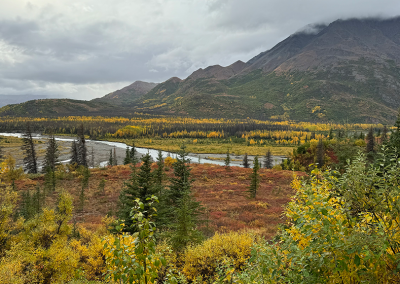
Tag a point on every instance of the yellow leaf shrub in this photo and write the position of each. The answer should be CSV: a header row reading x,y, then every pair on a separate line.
x,y
169,161
90,250
203,260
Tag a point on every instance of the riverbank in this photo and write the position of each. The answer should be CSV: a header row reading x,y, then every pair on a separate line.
x,y
100,150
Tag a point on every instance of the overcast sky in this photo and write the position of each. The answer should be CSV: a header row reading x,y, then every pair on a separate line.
x,y
88,48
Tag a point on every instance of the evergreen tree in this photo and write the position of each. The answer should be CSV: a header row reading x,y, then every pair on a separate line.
x,y
140,185
50,180
52,154
133,154
159,174
246,161
184,210
115,161
81,147
181,182
255,179
268,163
330,134
394,140
30,160
92,158
37,200
183,226
127,159
111,159
1,153
320,160
228,160
74,153
384,137
101,187
26,208
370,141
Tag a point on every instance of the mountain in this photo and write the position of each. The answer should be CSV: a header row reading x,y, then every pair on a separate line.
x,y
16,99
59,107
347,71
128,94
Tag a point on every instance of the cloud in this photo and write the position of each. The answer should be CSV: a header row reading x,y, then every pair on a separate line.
x,y
84,48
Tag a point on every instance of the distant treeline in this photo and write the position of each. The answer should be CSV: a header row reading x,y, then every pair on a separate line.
x,y
102,127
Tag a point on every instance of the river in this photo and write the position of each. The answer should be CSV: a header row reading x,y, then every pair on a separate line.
x,y
103,148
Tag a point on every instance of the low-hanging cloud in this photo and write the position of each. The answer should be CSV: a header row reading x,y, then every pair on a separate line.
x,y
88,48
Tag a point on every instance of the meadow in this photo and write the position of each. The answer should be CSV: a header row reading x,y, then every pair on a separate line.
x,y
255,224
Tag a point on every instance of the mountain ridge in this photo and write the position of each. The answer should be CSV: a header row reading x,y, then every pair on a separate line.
x,y
347,70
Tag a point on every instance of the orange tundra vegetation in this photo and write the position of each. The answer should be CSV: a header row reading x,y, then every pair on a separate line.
x,y
223,193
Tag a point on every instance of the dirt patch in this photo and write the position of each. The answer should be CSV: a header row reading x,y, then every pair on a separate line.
x,y
269,106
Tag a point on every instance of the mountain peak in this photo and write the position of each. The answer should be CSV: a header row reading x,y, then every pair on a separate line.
x,y
128,94
218,72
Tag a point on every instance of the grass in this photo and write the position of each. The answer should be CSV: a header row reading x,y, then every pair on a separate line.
x,y
206,146
222,192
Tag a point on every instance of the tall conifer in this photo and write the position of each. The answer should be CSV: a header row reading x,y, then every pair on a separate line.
x,y
140,185
254,179
268,160
74,153
127,159
370,141
246,161
185,212
228,160
30,160
52,154
81,147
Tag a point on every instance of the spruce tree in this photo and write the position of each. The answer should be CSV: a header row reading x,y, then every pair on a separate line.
x,y
246,161
50,163
384,137
1,153
30,160
228,160
268,163
74,153
133,154
111,159
101,187
115,161
37,200
159,174
81,147
394,140
370,141
92,158
185,212
140,185
254,179
52,154
50,180
181,182
320,159
26,206
183,228
127,159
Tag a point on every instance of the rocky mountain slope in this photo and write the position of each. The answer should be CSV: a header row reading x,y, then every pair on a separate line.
x,y
346,71
129,94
